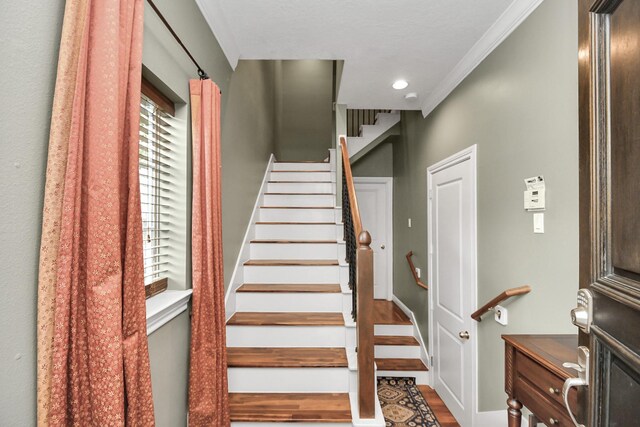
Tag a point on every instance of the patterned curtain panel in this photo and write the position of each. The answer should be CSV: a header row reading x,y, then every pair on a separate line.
x,y
208,391
93,362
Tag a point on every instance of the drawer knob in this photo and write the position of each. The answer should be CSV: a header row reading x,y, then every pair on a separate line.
x,y
554,390
553,421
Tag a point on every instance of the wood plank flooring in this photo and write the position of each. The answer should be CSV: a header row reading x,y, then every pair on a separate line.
x,y
388,313
286,319
290,262
394,340
440,410
290,288
288,357
400,365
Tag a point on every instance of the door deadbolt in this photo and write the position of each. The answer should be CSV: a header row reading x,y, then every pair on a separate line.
x,y
464,335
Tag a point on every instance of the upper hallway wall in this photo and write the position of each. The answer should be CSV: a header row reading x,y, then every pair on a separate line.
x,y
520,106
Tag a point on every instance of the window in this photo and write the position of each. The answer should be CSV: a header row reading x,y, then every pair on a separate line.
x,y
156,168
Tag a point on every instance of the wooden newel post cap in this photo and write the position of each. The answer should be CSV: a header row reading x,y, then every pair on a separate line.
x,y
364,239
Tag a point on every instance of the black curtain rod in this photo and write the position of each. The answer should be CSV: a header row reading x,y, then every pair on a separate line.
x,y
203,75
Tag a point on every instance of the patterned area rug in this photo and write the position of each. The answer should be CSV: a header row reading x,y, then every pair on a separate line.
x,y
403,404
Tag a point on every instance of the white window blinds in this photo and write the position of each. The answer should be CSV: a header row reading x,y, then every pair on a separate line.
x,y
156,183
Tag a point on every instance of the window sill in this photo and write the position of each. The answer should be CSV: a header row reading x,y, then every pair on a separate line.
x,y
165,306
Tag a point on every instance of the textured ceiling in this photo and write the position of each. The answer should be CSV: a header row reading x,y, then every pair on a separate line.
x,y
380,41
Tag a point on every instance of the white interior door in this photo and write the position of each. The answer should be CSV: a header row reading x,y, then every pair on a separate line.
x,y
375,200
452,275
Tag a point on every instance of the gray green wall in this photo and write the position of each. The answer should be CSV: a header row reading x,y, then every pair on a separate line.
x,y
304,106
31,36
377,162
520,107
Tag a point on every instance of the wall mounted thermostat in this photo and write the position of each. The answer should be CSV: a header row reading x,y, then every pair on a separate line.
x,y
534,195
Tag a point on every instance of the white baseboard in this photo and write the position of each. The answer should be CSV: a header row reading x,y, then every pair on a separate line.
x,y
424,354
243,255
494,419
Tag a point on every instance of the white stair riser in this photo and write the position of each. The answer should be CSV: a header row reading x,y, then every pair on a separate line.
x,y
297,215
319,200
296,231
292,380
288,302
300,176
294,251
291,274
300,187
402,330
285,336
422,377
304,166
397,351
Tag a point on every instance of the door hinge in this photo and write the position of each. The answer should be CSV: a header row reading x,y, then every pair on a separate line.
x,y
430,194
431,361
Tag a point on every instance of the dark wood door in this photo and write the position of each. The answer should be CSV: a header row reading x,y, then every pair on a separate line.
x,y
609,65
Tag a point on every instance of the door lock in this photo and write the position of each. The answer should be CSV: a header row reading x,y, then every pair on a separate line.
x,y
382,246
581,380
464,335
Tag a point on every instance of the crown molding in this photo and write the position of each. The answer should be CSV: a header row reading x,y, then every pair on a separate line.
x,y
510,19
214,16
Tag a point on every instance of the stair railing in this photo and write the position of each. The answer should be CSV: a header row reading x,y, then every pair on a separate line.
x,y
359,256
358,118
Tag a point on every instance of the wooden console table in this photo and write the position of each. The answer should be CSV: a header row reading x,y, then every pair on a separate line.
x,y
534,377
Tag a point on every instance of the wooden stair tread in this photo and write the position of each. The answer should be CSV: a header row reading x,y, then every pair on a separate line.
x,y
290,262
314,171
324,162
283,357
393,364
296,207
289,288
290,407
298,194
294,223
286,319
388,313
394,340
294,241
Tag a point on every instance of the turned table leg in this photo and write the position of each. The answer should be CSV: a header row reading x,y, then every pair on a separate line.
x,y
514,411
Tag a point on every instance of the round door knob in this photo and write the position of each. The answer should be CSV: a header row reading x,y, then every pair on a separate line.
x,y
464,335
553,421
382,246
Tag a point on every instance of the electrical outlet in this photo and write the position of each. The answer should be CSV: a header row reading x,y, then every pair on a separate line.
x,y
409,222
418,272
501,315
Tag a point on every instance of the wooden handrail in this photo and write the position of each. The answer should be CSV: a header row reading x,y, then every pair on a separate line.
x,y
353,200
497,300
360,259
414,272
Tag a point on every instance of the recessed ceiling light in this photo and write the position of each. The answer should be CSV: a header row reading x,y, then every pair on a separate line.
x,y
400,84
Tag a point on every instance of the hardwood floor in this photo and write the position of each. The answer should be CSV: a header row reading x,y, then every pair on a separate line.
x,y
400,365
394,340
288,262
286,319
438,407
388,313
283,407
289,287
286,357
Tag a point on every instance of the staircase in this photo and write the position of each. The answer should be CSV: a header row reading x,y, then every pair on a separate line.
x,y
290,334
287,339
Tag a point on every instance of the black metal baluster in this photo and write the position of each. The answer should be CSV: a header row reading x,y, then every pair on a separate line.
x,y
351,244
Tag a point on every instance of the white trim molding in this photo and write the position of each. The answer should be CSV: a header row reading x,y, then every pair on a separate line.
x,y
237,278
510,19
165,306
424,354
214,15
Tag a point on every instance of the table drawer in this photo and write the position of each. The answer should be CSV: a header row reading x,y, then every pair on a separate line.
x,y
547,410
548,383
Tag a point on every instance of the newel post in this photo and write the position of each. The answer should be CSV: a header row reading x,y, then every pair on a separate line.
x,y
366,374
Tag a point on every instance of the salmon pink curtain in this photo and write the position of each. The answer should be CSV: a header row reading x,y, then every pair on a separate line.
x,y
93,362
208,395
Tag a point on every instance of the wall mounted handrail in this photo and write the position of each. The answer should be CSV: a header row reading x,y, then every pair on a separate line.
x,y
500,298
414,272
359,256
